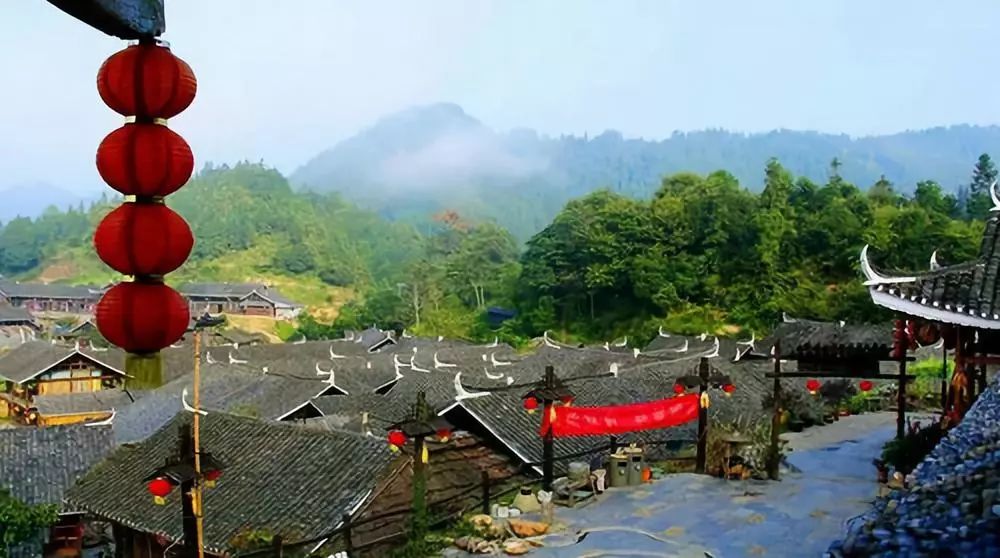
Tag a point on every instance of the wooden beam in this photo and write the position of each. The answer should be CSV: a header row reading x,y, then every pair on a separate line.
x,y
842,376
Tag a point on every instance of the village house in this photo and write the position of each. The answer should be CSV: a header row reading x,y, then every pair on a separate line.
x,y
64,379
46,298
37,465
252,299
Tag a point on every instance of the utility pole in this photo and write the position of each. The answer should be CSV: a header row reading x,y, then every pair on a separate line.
x,y
548,442
774,456
702,455
196,425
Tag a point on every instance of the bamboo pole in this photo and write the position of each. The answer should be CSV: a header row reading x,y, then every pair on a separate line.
x,y
196,421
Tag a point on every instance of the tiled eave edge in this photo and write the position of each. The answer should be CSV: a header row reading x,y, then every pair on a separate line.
x,y
894,300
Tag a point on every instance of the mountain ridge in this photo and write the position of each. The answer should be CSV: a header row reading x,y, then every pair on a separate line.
x,y
434,157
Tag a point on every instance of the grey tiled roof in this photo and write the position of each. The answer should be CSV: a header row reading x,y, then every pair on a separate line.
x,y
37,465
14,315
87,402
288,480
233,291
35,357
14,289
805,339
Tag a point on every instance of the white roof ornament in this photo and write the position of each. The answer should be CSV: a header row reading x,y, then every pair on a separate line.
x,y
635,352
415,368
368,364
613,369
94,349
300,341
76,346
189,408
607,346
510,381
548,342
683,349
873,278
994,197
208,357
624,342
484,357
492,376
105,422
495,343
350,336
939,344
934,261
439,365
406,334
321,372
662,333
333,355
715,350
750,343
264,370
738,355
234,360
495,362
397,364
842,323
461,393
787,319
440,338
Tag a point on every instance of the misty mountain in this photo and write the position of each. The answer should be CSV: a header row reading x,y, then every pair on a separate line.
x,y
418,161
31,200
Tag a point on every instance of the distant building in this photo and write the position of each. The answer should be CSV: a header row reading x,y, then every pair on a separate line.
x,y
61,381
41,298
251,299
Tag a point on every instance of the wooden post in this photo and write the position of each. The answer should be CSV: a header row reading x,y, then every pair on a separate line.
x,y
278,546
613,443
774,456
348,541
485,479
548,443
189,520
702,455
901,400
196,421
944,380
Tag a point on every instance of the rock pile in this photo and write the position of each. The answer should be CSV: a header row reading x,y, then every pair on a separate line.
x,y
952,507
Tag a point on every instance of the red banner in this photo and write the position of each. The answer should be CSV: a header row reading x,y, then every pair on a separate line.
x,y
618,419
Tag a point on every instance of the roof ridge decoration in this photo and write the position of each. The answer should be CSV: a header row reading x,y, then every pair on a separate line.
x,y
495,343
208,358
994,197
495,362
415,368
607,346
548,342
189,408
234,360
461,393
493,376
106,422
934,264
624,342
397,364
438,365
661,333
334,356
872,277
406,335
715,350
613,369
684,348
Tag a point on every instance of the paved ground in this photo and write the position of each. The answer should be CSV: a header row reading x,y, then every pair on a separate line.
x,y
690,515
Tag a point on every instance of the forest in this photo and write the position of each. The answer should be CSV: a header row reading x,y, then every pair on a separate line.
x,y
703,253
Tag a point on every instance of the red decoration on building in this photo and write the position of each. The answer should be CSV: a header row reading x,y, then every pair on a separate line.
x,y
397,438
618,419
530,404
866,385
142,318
679,388
729,388
160,487
143,239
146,81
813,386
145,160
900,341
443,435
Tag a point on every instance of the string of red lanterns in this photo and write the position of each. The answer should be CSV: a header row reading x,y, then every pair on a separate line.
x,y
813,386
146,160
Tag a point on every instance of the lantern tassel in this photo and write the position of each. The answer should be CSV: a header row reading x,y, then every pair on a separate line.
x,y
424,455
705,403
159,500
144,371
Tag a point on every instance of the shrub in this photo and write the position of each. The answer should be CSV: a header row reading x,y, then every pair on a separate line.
x,y
906,453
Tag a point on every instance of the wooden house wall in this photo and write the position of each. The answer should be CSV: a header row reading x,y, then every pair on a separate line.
x,y
454,484
76,375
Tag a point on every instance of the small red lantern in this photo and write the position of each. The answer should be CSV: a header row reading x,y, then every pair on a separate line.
x,y
145,160
443,435
530,404
567,399
728,388
866,385
143,239
397,438
679,388
160,487
211,477
813,386
142,317
147,81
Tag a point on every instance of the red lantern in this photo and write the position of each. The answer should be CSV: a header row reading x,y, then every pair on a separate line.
x,y
866,385
813,386
567,399
145,160
443,435
679,388
530,404
397,438
213,475
728,388
146,81
143,239
142,317
160,487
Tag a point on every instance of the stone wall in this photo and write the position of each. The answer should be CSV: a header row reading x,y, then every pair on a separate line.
x,y
951,507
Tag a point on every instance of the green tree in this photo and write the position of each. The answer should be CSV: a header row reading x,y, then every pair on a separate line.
x,y
983,176
21,523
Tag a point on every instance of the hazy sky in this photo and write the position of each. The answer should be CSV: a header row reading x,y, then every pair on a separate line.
x,y
282,80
